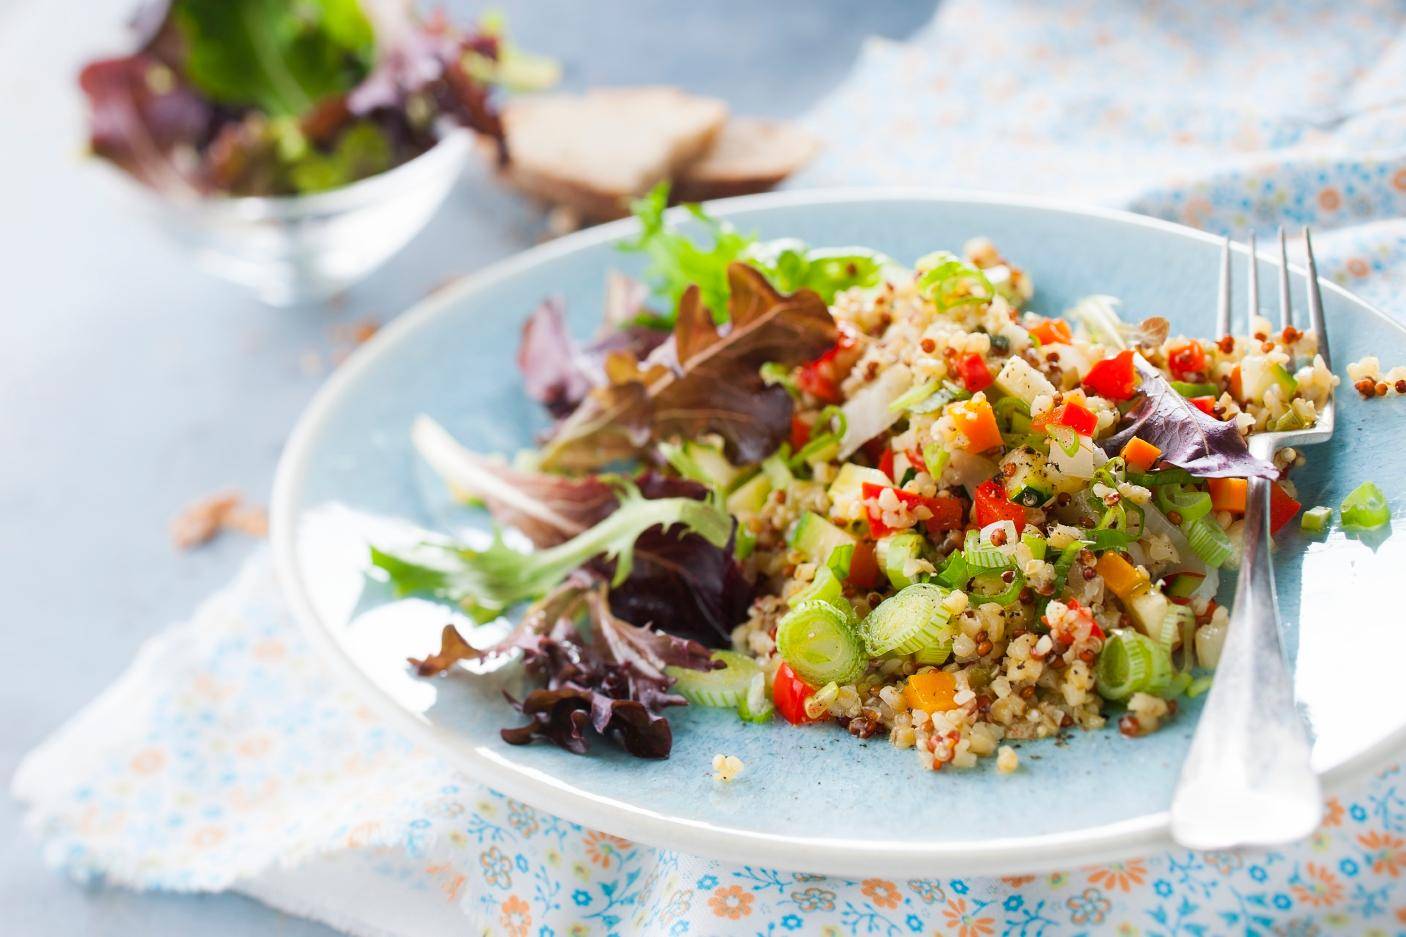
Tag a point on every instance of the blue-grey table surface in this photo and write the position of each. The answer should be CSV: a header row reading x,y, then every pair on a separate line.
x,y
130,383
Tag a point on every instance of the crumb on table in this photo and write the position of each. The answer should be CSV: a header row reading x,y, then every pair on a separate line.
x,y
1007,760
726,767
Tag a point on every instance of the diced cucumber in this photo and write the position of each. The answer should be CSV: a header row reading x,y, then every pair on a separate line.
x,y
820,643
702,463
726,687
896,553
776,469
750,497
849,482
814,536
1018,379
1025,478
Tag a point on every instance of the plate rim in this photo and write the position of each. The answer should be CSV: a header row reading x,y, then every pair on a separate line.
x,y
1137,836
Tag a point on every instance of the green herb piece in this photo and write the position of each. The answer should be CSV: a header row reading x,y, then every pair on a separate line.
x,y
1315,520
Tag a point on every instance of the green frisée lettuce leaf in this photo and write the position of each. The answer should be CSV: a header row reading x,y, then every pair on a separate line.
x,y
499,577
677,262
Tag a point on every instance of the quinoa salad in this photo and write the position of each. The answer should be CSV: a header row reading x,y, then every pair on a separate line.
x,y
832,490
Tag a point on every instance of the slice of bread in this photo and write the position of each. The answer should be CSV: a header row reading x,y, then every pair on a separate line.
x,y
750,155
596,151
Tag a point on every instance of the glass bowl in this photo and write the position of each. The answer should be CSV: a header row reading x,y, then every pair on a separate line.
x,y
301,249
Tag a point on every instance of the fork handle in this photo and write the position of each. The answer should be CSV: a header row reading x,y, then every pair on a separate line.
x,y
1247,779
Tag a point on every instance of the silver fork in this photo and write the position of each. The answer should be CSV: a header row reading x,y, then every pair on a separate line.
x,y
1247,779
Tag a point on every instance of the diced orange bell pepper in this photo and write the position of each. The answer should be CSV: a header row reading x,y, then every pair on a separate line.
x,y
1052,332
1228,494
976,421
931,691
1122,578
1140,454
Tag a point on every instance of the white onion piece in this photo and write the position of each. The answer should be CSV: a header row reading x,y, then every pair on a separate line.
x,y
968,470
867,413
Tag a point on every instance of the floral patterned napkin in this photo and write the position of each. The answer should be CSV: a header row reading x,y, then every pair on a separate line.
x,y
225,758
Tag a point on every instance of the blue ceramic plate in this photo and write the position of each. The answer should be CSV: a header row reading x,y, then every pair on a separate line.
x,y
816,798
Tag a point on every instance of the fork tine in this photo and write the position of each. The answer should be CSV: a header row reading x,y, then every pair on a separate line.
x,y
1223,301
1286,305
1315,301
1254,280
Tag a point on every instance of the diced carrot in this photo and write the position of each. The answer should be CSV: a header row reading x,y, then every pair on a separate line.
x,y
1237,387
1140,454
1228,494
1052,332
931,691
1122,578
976,421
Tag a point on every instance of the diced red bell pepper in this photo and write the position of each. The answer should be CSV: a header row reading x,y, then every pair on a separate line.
x,y
1052,332
822,377
990,505
1075,416
1094,629
1206,405
1282,508
800,432
1113,378
790,693
886,462
864,566
814,380
1186,360
976,376
915,459
947,512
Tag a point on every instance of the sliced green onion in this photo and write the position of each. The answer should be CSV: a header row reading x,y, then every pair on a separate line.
x,y
1132,663
934,654
1192,505
1066,438
914,618
947,393
1008,407
725,687
1166,476
839,560
756,705
955,572
914,395
1365,508
1315,520
825,587
744,543
943,273
1208,541
1198,686
820,643
1170,628
895,553
774,372
983,556
1009,592
1102,539
1066,561
1195,390
1035,542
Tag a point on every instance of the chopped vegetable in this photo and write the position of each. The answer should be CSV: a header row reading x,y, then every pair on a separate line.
x,y
1282,508
931,691
790,693
1206,405
913,618
1228,494
1140,455
975,375
1132,663
976,421
1186,360
1365,508
1122,578
1113,377
1315,520
1052,332
896,554
990,505
1076,417
724,687
819,642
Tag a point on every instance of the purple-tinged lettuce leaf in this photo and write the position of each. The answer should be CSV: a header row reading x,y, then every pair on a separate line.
x,y
707,380
1189,439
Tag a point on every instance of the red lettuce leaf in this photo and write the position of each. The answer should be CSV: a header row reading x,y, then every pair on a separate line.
x,y
706,380
1189,439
